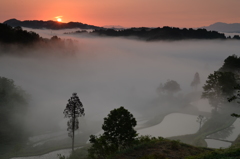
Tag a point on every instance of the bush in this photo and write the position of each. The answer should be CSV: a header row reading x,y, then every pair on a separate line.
x,y
175,144
219,154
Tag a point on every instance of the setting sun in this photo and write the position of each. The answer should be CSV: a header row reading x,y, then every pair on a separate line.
x,y
59,19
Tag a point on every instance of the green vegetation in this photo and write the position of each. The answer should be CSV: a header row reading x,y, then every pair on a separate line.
x,y
231,153
147,147
160,148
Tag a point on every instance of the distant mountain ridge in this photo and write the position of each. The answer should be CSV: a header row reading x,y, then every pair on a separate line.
x,y
39,24
224,27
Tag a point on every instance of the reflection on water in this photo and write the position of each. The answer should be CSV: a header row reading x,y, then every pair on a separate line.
x,y
223,134
54,138
173,125
47,136
229,134
235,131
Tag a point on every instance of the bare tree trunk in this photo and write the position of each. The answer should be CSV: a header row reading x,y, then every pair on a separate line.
x,y
73,128
73,141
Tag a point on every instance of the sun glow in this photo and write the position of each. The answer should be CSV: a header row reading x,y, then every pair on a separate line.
x,y
59,19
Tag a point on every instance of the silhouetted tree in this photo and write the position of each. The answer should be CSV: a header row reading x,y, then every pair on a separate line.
x,y
118,134
196,80
73,110
55,38
17,35
236,37
170,87
218,86
231,64
201,119
165,33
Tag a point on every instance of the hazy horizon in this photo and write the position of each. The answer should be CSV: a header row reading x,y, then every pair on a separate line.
x,y
153,13
121,26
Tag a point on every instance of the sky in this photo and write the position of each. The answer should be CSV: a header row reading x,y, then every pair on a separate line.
x,y
126,13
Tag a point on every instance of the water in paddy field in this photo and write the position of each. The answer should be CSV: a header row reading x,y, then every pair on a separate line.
x,y
217,144
174,124
51,155
229,134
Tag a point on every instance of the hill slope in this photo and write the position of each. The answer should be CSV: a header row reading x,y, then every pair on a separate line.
x,y
39,24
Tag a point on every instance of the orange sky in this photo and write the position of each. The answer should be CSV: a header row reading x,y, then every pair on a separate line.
x,y
127,13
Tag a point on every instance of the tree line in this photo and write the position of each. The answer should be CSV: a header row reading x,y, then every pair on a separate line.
x,y
24,40
10,34
164,33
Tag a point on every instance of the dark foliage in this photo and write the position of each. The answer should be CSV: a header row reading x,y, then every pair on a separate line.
x,y
170,87
10,34
235,97
218,87
236,37
231,64
219,154
118,127
15,41
165,33
118,134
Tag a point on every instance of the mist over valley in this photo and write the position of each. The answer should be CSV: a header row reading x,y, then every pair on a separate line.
x,y
109,72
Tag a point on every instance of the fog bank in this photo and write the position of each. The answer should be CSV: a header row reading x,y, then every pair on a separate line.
x,y
110,72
